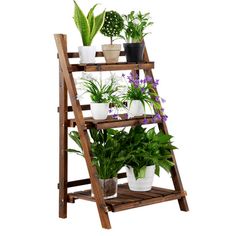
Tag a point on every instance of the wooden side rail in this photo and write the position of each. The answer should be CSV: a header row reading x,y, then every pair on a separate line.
x,y
81,182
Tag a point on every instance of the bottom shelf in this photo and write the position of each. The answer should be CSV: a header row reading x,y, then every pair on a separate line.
x,y
127,199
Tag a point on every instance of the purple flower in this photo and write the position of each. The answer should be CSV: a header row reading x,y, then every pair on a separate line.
x,y
115,116
136,83
126,116
158,116
148,78
145,121
123,75
145,81
143,90
141,81
157,99
155,83
163,100
110,110
164,118
153,119
162,109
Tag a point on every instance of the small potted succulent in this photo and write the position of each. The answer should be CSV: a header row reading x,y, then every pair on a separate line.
x,y
102,93
88,27
141,92
105,147
134,33
146,152
112,27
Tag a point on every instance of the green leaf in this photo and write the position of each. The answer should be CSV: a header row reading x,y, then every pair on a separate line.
x,y
99,20
82,25
91,18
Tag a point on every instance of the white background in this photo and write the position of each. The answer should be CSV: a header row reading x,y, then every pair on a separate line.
x,y
194,45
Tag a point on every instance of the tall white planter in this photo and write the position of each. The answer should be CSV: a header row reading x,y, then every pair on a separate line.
x,y
144,184
87,54
99,110
136,108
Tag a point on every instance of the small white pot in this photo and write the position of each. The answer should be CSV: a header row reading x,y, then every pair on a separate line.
x,y
87,54
144,184
99,110
136,108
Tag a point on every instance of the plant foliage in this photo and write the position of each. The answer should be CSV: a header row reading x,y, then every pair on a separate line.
x,y
113,25
88,25
135,26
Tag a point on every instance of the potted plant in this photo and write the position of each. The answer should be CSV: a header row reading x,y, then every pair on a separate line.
x,y
146,153
88,26
106,148
112,27
102,94
134,33
141,92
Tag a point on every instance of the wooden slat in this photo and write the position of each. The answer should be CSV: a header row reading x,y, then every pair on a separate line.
x,y
110,67
87,181
98,54
127,199
145,202
114,123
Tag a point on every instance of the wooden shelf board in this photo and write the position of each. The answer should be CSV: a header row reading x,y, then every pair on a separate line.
x,y
111,67
114,123
127,199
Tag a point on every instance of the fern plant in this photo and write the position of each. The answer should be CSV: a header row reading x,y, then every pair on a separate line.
x,y
89,25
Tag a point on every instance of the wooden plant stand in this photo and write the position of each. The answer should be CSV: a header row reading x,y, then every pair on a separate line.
x,y
126,199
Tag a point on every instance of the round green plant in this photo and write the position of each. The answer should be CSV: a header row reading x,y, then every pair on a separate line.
x,y
113,24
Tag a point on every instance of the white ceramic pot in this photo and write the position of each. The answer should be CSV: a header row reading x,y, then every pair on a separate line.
x,y
87,54
111,52
99,110
136,108
144,184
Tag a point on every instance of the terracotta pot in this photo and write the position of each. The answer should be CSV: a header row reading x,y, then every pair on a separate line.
x,y
111,52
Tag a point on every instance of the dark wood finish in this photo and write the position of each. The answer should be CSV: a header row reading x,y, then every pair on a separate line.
x,y
127,199
87,181
63,134
110,67
174,171
64,63
113,123
98,54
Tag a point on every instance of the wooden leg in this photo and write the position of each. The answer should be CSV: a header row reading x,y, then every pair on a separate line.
x,y
101,206
63,160
175,175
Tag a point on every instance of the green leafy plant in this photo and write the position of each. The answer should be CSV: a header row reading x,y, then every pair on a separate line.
x,y
135,25
101,92
144,148
107,150
88,25
113,25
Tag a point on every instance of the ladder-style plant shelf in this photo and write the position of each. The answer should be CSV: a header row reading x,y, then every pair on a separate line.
x,y
126,199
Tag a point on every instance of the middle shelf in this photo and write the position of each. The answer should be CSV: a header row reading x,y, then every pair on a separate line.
x,y
110,122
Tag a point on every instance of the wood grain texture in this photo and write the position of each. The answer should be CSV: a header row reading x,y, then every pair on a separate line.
x,y
69,80
127,199
174,170
63,134
110,67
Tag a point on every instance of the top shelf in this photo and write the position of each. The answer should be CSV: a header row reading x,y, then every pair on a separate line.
x,y
111,67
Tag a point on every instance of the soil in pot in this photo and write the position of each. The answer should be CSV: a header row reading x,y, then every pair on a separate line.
x,y
111,52
134,52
